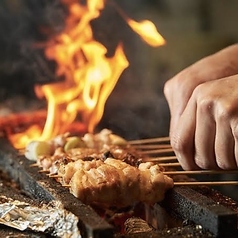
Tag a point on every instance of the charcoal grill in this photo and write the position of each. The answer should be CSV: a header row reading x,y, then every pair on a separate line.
x,y
213,213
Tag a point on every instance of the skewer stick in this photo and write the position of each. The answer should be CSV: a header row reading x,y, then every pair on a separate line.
x,y
55,176
43,171
66,185
159,151
150,140
154,146
211,183
33,165
170,164
21,151
200,172
160,159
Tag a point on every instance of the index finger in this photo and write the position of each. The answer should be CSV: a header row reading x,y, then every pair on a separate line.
x,y
183,136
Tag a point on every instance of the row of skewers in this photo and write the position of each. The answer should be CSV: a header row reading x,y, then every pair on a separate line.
x,y
160,151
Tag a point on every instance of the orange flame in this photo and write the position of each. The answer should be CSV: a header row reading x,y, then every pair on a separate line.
x,y
89,76
147,31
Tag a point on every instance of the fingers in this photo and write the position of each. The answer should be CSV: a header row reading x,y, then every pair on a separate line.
x,y
202,136
193,138
234,128
225,144
179,89
214,140
205,135
182,137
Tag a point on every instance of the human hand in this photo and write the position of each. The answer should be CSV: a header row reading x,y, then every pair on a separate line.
x,y
204,106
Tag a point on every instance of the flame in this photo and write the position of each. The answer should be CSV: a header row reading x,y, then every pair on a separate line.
x,y
147,31
89,76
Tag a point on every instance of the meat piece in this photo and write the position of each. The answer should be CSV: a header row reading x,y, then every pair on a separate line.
x,y
96,186
115,183
153,183
101,169
129,179
66,171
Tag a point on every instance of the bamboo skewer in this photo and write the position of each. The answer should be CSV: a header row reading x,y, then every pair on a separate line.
x,y
211,183
154,146
170,164
160,159
159,151
150,140
55,176
43,171
193,172
66,185
157,146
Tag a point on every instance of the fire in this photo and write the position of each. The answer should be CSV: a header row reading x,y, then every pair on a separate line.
x,y
147,31
89,76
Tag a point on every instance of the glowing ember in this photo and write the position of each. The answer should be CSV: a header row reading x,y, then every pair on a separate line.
x,y
89,76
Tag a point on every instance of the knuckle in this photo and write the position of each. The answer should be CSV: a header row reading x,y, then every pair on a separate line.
x,y
224,111
167,88
176,83
205,102
205,106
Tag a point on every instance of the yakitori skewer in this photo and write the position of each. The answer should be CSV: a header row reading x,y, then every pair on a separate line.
x,y
176,164
55,176
153,146
44,171
195,183
157,151
66,185
160,159
149,140
193,172
207,183
34,165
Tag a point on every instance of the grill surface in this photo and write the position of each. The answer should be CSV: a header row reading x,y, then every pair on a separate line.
x,y
181,203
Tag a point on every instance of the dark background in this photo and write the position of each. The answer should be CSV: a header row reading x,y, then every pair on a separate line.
x,y
136,108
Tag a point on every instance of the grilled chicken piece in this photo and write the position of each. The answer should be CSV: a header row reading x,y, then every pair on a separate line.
x,y
67,171
114,183
88,165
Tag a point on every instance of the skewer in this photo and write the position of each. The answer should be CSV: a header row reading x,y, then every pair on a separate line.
x,y
170,164
154,146
159,151
160,159
150,140
34,165
21,151
55,176
66,185
43,171
200,172
211,183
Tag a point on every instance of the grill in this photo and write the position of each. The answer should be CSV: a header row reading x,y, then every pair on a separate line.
x,y
192,208
186,211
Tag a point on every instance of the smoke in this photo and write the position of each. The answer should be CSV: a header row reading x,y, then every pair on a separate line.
x,y
25,26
